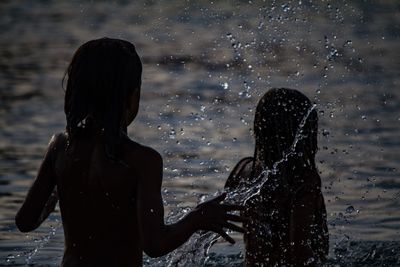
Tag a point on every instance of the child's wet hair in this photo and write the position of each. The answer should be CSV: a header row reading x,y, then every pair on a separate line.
x,y
277,121
102,76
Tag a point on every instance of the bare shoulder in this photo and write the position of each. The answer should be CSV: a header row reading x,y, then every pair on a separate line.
x,y
141,155
239,172
58,141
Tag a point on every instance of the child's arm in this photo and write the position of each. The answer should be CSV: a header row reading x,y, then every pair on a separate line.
x,y
158,238
42,196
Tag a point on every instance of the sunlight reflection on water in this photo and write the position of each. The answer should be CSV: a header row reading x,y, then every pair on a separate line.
x,y
205,66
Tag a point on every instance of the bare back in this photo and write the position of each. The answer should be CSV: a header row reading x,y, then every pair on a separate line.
x,y
97,200
288,225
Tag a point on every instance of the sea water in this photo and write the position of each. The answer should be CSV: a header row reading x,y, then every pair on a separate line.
x,y
206,64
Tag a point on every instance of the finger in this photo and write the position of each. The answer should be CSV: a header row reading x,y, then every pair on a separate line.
x,y
219,198
234,227
237,218
230,207
225,236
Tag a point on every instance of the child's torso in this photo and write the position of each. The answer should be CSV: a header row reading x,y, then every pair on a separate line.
x,y
270,211
98,209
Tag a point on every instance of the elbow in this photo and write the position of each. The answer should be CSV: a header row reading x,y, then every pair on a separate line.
x,y
154,253
22,225
155,249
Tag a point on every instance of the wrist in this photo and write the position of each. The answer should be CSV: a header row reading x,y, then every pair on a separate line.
x,y
195,217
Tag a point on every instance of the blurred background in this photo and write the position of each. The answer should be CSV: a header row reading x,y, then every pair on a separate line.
x,y
206,64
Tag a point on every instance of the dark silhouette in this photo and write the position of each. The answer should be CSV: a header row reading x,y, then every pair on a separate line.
x,y
109,186
288,218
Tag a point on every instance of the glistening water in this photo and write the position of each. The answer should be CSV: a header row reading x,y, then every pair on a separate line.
x,y
206,64
196,250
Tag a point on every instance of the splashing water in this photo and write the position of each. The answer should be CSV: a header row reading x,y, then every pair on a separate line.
x,y
195,251
39,243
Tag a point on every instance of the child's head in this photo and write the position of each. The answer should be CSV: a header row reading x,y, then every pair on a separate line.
x,y
278,117
103,88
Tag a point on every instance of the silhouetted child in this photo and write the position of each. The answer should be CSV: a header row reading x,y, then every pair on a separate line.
x,y
288,217
109,186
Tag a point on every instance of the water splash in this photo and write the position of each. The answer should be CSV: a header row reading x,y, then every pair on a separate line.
x,y
195,251
38,244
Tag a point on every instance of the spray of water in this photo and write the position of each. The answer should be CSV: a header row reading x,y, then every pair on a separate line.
x,y
38,244
195,251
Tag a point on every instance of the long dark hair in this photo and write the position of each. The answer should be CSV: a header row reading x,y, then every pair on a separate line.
x,y
102,76
277,121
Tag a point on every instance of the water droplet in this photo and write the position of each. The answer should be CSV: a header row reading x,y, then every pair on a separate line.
x,y
350,209
310,260
172,134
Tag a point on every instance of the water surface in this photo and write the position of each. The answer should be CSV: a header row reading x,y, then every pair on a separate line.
x,y
205,66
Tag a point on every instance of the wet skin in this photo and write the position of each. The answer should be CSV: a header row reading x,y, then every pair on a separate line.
x,y
296,218
112,212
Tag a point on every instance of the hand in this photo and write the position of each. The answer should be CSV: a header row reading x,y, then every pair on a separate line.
x,y
214,216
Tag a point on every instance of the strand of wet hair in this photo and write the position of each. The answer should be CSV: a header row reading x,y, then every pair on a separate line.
x,y
245,187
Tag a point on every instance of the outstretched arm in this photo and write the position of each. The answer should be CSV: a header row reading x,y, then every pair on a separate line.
x,y
42,196
158,238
